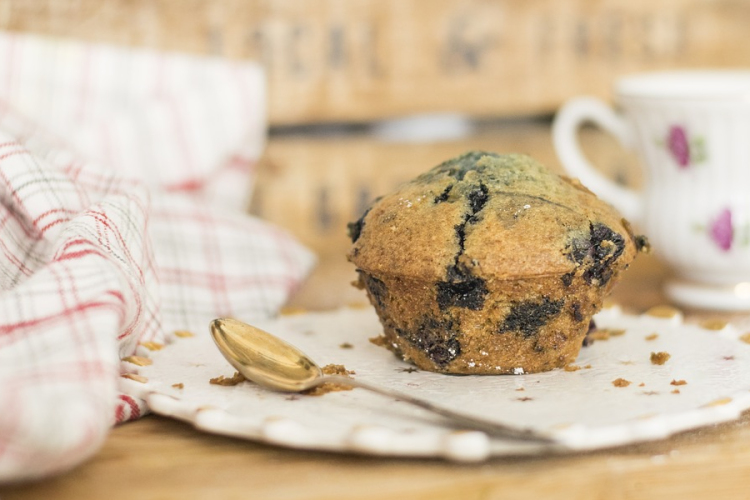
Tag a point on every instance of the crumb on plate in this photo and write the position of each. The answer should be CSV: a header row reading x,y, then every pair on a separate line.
x,y
605,333
663,311
718,402
659,358
235,379
714,324
331,369
598,335
152,346
621,382
379,341
138,360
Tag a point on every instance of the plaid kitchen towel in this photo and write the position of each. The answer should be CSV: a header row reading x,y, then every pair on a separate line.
x,y
123,176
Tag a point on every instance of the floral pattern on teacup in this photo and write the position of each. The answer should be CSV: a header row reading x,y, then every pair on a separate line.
x,y
685,151
724,232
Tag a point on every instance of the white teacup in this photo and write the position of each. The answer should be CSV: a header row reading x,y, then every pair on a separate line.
x,y
691,130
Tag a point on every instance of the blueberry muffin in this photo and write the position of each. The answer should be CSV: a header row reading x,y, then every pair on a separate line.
x,y
489,264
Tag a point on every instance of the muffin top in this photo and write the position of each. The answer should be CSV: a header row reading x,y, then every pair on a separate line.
x,y
493,216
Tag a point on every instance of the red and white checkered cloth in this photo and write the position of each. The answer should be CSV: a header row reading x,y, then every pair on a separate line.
x,y
122,176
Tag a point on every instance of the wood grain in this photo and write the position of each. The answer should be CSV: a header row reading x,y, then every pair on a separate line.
x,y
158,458
359,60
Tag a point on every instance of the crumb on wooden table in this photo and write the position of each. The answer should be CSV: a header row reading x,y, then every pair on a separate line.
x,y
571,368
651,337
179,386
678,382
659,358
346,345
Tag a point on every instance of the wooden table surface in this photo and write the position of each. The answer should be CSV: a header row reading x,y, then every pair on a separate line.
x,y
157,457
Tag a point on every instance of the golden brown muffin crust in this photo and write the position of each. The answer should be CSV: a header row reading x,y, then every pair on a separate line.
x,y
489,264
514,216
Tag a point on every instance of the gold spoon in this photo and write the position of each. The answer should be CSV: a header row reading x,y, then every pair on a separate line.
x,y
272,363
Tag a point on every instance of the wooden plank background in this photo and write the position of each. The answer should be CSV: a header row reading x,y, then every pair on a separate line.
x,y
360,60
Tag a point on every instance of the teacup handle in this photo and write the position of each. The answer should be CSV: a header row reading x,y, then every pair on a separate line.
x,y
568,120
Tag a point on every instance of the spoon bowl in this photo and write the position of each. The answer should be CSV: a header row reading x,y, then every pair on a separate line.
x,y
266,360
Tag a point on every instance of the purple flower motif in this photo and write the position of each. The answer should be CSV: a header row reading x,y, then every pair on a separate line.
x,y
722,231
679,146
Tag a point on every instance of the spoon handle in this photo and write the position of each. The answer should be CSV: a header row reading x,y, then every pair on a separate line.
x,y
475,423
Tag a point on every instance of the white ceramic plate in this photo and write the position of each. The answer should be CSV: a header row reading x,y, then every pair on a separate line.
x,y
583,409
